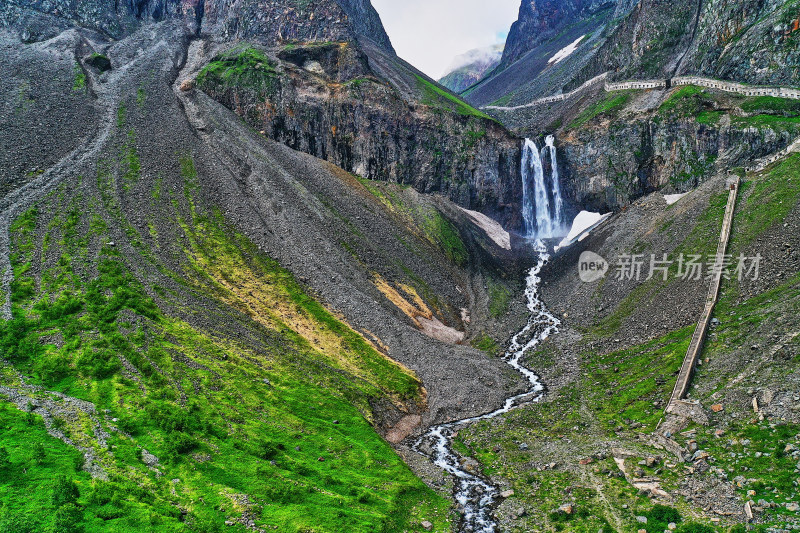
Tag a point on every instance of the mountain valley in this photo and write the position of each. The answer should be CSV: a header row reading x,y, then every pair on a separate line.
x,y
261,274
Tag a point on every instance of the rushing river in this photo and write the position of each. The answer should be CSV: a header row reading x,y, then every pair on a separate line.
x,y
476,496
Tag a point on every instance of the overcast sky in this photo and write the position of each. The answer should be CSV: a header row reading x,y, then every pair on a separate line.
x,y
429,34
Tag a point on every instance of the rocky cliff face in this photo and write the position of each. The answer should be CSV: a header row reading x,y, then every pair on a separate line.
x,y
326,100
617,147
756,42
540,20
749,42
606,169
274,22
270,22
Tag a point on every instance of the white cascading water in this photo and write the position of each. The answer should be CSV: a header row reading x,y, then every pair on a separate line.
x,y
535,203
477,496
541,221
558,201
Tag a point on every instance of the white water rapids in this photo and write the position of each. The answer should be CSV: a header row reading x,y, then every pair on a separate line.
x,y
476,496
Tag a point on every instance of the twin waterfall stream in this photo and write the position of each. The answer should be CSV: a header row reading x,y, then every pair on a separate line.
x,y
542,210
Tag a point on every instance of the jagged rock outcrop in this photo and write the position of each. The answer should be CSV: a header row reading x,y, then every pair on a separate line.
x,y
275,22
755,42
749,42
607,168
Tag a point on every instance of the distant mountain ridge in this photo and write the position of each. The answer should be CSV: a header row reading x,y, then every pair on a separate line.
x,y
469,68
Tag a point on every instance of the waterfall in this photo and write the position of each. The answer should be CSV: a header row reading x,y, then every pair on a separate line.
x,y
541,219
558,201
535,203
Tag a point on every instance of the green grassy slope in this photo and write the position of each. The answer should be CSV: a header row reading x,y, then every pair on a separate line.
x,y
190,427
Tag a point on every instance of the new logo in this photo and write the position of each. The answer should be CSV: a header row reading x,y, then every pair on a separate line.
x,y
592,267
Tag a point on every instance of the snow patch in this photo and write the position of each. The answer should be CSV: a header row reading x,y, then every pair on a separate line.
x,y
565,52
672,198
492,228
434,328
581,227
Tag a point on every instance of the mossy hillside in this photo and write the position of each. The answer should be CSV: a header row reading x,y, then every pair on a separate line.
x,y
436,97
28,474
515,447
243,67
484,342
79,82
708,107
752,453
684,100
424,220
607,107
752,456
702,239
499,298
774,195
224,418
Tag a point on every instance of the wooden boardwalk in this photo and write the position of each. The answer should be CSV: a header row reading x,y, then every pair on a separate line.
x,y
699,337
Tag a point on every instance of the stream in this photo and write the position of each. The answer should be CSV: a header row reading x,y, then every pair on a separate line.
x,y
476,496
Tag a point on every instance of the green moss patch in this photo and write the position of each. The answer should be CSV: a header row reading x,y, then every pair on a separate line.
x,y
243,67
607,107
436,97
